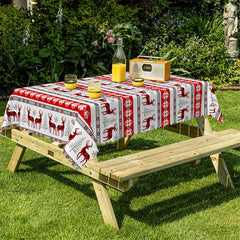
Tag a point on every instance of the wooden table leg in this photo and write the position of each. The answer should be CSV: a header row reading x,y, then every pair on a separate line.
x,y
16,158
122,143
217,159
104,201
17,155
105,204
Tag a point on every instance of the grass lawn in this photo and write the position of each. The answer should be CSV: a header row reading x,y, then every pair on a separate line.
x,y
46,200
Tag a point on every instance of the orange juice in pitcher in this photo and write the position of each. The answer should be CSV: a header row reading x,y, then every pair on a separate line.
x,y
118,72
119,63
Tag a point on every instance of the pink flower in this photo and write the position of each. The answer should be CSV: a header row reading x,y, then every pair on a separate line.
x,y
109,33
111,39
99,29
95,43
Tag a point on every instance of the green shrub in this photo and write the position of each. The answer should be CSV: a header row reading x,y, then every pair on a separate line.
x,y
205,25
66,45
177,27
18,60
202,7
57,39
170,26
10,16
91,51
70,36
82,58
195,46
79,14
146,14
132,38
228,76
199,58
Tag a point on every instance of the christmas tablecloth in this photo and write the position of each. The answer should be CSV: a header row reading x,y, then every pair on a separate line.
x,y
71,117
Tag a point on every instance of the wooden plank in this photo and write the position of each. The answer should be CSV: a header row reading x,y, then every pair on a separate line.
x,y
16,158
204,125
185,129
105,204
104,201
217,160
170,162
147,153
221,170
150,155
1,121
161,160
122,143
17,155
143,158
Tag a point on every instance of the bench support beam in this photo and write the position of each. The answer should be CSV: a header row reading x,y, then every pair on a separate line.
x,y
122,143
217,159
105,204
104,201
17,156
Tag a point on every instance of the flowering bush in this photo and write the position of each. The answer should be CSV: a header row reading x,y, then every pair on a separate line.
x,y
170,26
107,33
199,58
232,73
202,57
79,37
92,49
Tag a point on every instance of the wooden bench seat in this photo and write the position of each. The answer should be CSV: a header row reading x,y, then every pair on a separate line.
x,y
139,164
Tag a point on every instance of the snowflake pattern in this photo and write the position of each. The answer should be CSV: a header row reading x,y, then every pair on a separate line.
x,y
198,97
128,103
129,132
198,88
165,114
165,95
128,113
86,114
165,104
128,123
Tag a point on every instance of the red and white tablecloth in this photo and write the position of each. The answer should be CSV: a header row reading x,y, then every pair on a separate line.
x,y
71,117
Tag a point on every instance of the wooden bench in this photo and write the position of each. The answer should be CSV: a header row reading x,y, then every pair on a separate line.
x,y
136,165
123,172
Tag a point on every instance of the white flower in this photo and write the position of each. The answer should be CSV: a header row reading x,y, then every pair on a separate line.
x,y
59,14
26,35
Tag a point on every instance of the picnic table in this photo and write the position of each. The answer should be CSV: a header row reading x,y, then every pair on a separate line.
x,y
77,124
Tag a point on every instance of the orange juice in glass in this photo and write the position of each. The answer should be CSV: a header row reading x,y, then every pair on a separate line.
x,y
118,72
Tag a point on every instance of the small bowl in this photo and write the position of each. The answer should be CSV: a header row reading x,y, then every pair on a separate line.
x,y
70,84
138,82
94,93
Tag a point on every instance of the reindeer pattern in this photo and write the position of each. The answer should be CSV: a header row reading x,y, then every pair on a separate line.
x,y
34,118
83,156
108,133
13,115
